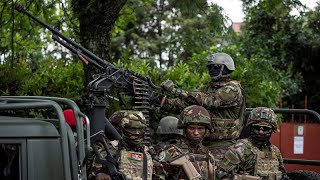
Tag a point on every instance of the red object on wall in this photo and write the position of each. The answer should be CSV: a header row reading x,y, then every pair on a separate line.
x,y
284,140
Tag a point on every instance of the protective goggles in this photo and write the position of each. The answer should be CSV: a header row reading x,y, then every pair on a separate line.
x,y
263,128
214,66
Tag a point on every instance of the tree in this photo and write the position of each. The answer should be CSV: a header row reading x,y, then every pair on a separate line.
x,y
96,18
17,42
165,32
288,41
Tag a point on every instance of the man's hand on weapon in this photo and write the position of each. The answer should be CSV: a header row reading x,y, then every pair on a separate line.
x,y
169,87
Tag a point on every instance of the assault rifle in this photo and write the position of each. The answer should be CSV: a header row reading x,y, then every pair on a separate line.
x,y
99,93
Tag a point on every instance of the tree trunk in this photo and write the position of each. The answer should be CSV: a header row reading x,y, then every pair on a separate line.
x,y
96,18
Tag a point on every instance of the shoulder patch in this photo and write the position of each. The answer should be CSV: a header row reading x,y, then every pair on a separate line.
x,y
136,156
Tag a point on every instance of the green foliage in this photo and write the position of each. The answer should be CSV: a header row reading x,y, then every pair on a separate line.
x,y
52,78
289,42
185,77
182,74
164,31
12,78
19,32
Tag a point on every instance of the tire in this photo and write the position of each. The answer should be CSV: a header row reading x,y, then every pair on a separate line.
x,y
303,175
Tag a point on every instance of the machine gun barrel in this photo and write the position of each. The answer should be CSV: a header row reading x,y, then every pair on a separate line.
x,y
83,53
83,50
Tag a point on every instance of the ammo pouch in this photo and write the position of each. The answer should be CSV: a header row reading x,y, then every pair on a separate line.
x,y
273,176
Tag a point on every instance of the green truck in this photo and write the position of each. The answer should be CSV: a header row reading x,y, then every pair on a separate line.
x,y
41,148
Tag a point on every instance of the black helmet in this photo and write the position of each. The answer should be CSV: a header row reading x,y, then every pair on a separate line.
x,y
169,125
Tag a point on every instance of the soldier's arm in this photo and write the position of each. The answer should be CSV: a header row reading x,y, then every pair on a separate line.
x,y
232,160
174,105
226,96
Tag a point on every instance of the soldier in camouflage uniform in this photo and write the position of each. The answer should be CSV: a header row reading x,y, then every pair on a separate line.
x,y
168,134
255,155
134,159
195,122
222,97
168,131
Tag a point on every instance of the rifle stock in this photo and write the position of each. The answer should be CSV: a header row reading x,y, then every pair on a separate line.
x,y
187,166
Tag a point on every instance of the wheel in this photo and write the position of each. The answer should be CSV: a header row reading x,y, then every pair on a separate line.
x,y
303,175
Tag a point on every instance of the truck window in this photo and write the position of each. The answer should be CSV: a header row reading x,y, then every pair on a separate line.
x,y
10,166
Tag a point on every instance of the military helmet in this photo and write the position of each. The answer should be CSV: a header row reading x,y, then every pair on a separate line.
x,y
194,114
221,58
169,125
264,117
128,118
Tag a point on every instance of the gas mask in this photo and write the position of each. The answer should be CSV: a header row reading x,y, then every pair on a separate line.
x,y
260,134
133,135
218,71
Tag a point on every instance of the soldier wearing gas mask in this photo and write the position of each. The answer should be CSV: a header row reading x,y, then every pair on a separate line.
x,y
255,156
222,97
133,158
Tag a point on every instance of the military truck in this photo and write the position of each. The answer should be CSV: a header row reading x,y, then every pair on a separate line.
x,y
42,148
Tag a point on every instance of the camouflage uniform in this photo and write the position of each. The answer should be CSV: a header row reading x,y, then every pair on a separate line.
x,y
197,154
168,132
255,156
134,159
223,98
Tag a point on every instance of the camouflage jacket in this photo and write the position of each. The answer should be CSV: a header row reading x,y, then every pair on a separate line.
x,y
242,158
215,96
198,156
224,100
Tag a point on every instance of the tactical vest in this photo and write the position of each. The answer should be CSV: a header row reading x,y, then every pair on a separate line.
x,y
132,166
267,164
225,128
